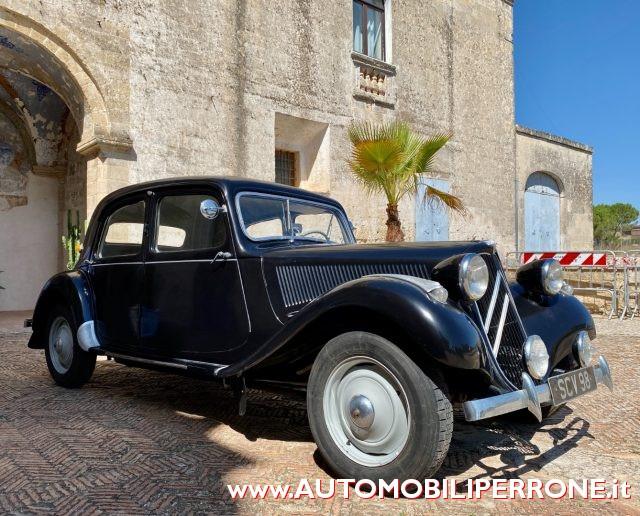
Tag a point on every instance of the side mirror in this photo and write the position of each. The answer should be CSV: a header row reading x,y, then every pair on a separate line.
x,y
297,229
209,209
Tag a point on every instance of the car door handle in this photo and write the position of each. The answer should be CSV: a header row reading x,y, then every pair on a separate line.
x,y
222,256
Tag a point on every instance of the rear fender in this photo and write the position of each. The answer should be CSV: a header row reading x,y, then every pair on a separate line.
x,y
439,331
67,288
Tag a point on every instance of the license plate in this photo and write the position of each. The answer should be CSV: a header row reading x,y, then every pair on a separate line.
x,y
567,386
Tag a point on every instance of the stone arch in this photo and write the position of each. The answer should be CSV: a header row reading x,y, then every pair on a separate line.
x,y
18,123
555,177
65,145
75,83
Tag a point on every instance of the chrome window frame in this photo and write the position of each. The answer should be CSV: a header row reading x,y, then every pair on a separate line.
x,y
340,215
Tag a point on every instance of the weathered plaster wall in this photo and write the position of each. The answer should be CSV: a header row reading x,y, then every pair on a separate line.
x,y
14,166
29,244
569,163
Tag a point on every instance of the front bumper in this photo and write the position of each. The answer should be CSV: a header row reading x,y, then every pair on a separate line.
x,y
531,397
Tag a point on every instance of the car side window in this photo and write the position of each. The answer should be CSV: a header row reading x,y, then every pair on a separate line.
x,y
123,233
182,225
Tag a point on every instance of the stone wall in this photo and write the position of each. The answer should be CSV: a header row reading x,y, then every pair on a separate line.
x,y
160,88
196,85
569,163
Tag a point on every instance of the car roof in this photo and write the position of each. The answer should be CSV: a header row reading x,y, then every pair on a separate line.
x,y
230,185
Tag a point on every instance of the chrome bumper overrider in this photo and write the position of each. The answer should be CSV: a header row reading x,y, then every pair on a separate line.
x,y
531,397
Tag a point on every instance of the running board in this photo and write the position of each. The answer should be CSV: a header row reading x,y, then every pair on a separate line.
x,y
179,363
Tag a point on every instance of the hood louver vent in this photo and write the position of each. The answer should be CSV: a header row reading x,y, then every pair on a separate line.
x,y
300,284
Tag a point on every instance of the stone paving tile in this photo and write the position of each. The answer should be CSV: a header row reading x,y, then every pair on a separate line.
x,y
138,442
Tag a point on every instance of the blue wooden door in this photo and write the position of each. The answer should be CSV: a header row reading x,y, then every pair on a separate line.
x,y
432,217
542,213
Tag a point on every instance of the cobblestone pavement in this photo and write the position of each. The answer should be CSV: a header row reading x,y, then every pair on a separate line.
x,y
134,441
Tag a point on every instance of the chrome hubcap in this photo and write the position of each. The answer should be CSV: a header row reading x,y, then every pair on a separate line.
x,y
366,411
361,411
61,345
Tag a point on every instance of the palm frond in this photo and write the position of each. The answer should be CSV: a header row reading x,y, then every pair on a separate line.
x,y
449,200
429,149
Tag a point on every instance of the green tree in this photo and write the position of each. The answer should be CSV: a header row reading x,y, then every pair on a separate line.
x,y
610,220
389,158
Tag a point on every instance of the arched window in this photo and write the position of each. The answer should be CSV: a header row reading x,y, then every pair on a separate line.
x,y
542,213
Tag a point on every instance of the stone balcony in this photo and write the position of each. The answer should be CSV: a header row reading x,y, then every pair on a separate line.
x,y
374,80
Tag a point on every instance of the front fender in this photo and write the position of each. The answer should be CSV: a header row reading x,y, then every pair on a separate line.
x,y
557,319
439,330
69,288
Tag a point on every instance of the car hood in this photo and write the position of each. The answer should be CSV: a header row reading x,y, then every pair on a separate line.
x,y
298,275
427,253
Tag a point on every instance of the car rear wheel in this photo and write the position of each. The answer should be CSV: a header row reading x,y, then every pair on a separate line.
x,y
374,413
68,364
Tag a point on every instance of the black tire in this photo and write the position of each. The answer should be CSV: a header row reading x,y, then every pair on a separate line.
x,y
430,424
82,363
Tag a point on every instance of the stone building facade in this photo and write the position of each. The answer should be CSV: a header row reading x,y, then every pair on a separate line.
x,y
98,94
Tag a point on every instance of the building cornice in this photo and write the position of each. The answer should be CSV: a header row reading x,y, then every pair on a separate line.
x,y
102,145
552,138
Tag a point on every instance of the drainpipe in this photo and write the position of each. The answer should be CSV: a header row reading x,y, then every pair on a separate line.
x,y
517,208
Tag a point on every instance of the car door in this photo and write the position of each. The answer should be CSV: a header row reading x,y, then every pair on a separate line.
x,y
116,272
194,306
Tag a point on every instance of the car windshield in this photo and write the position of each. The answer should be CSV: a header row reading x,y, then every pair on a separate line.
x,y
268,217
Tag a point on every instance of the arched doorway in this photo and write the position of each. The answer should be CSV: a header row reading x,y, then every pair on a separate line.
x,y
54,129
542,213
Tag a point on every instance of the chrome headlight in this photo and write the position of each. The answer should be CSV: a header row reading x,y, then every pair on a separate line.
x,y
473,276
536,357
439,294
552,278
567,289
583,349
541,276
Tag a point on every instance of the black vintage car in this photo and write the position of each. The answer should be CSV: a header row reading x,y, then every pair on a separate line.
x,y
255,283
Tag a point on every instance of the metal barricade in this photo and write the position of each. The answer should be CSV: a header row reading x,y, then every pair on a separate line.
x,y
590,273
632,283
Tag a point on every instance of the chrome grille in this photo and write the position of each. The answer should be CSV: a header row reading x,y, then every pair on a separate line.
x,y
300,284
502,323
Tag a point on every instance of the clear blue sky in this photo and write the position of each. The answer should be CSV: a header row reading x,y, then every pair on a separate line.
x,y
577,73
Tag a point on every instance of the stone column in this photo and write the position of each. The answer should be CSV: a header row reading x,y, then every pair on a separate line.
x,y
108,168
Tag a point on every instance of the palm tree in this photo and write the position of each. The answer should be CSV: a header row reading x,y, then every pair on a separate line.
x,y
390,158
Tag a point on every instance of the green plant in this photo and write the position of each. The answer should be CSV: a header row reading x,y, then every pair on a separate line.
x,y
71,242
389,158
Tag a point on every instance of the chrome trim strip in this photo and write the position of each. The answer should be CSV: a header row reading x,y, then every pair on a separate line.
x,y
87,338
146,360
200,363
202,260
492,304
116,263
422,283
532,397
503,318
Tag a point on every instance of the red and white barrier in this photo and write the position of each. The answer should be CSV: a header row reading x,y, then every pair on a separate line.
x,y
568,259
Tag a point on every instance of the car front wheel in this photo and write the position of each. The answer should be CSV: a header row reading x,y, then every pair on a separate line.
x,y
374,413
68,364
